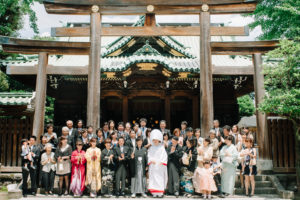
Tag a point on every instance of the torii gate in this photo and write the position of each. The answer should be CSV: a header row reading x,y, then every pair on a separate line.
x,y
97,8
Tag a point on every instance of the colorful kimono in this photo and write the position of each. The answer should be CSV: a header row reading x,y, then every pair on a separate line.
x,y
158,174
78,172
229,164
93,169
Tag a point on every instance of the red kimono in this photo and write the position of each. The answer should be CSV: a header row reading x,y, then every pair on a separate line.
x,y
78,172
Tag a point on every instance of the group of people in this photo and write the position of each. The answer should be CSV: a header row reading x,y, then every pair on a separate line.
x,y
119,160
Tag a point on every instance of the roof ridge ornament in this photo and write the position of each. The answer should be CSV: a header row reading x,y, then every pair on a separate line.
x,y
147,49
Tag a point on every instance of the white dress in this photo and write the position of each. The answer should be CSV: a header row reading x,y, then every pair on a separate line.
x,y
158,174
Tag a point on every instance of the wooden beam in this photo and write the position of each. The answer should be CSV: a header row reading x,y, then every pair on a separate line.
x,y
206,81
238,8
93,97
24,46
261,118
40,99
149,31
242,48
83,70
146,3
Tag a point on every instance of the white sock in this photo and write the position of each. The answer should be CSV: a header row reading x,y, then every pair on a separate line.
x,y
209,196
204,195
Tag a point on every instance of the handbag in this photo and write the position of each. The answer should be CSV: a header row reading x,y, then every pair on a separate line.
x,y
185,159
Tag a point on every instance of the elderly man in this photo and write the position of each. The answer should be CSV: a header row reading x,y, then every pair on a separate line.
x,y
73,133
70,139
162,127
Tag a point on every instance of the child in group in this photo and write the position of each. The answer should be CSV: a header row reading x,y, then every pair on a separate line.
x,y
204,181
216,166
26,152
248,160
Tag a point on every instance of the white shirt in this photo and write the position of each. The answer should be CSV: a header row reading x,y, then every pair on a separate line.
x,y
70,131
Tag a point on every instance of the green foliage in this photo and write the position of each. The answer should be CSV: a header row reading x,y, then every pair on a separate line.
x,y
246,106
277,18
49,110
3,189
3,82
282,81
11,16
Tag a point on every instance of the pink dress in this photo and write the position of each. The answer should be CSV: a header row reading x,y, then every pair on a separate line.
x,y
78,173
204,180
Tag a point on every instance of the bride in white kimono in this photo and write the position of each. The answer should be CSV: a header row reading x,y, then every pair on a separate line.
x,y
157,161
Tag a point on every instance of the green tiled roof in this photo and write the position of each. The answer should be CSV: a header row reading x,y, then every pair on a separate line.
x,y
122,41
147,49
17,99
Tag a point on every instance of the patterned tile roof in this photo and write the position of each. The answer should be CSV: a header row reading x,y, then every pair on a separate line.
x,y
17,99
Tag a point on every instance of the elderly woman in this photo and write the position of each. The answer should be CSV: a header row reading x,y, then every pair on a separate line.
x,y
48,169
214,142
78,170
229,156
63,156
51,136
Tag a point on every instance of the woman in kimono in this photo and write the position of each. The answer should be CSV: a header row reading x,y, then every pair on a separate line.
x,y
189,160
139,158
93,174
62,156
205,152
229,156
157,161
78,170
108,169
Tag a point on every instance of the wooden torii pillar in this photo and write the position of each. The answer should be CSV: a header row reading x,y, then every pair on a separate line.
x,y
93,97
261,118
40,100
206,81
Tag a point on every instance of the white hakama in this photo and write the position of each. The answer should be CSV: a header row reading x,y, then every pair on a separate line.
x,y
157,161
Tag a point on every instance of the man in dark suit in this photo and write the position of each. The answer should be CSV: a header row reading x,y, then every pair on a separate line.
x,y
105,131
162,127
131,143
73,133
189,135
122,154
218,129
175,153
34,152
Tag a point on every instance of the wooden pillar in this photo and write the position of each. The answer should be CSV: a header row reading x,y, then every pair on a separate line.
x,y
195,112
125,109
93,99
206,82
261,119
40,96
168,111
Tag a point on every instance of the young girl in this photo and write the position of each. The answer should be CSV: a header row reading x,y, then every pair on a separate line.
x,y
205,180
249,166
157,161
26,153
78,170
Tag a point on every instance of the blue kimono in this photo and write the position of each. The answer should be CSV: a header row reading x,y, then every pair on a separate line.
x,y
229,164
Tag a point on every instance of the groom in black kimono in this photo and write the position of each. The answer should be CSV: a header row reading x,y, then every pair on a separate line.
x,y
175,153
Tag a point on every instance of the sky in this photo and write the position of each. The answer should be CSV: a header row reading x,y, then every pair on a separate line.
x,y
46,21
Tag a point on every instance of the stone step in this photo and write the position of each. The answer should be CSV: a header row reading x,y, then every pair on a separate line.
x,y
257,177
257,184
259,190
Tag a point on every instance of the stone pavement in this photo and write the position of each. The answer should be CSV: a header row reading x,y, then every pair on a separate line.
x,y
235,197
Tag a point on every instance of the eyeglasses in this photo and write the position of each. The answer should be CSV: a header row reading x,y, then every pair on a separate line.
x,y
78,144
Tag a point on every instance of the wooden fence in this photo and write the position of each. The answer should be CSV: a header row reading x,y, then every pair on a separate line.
x,y
12,130
282,144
